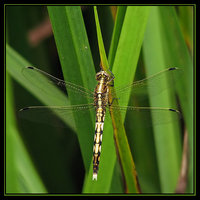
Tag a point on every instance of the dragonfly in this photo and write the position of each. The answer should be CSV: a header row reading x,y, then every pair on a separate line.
x,y
99,101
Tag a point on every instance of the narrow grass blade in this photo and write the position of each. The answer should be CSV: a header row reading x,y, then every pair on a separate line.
x,y
121,11
104,61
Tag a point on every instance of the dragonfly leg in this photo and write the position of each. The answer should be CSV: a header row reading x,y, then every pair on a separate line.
x,y
113,101
112,76
110,82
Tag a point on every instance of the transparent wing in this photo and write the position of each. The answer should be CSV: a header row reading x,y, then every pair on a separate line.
x,y
140,88
145,114
51,115
47,114
32,74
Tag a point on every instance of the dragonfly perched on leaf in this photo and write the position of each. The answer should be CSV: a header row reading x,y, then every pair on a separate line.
x,y
99,101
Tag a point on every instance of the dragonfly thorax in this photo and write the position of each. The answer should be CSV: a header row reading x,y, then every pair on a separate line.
x,y
103,76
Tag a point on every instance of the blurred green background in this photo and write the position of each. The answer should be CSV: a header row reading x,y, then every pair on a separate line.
x,y
44,159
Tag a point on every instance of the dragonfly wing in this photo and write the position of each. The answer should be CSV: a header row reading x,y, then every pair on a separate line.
x,y
54,115
44,80
154,83
145,114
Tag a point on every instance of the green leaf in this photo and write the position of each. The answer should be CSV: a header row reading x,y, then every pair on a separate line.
x,y
104,61
185,15
177,54
124,67
121,11
77,65
21,175
167,138
37,84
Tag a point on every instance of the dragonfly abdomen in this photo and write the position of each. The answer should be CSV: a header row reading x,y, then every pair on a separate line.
x,y
100,116
100,102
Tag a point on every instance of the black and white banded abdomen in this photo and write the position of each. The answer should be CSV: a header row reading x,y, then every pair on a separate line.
x,y
98,141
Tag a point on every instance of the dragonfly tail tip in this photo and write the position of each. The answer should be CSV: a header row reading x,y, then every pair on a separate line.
x,y
94,176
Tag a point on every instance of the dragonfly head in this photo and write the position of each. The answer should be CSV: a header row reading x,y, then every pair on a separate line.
x,y
102,75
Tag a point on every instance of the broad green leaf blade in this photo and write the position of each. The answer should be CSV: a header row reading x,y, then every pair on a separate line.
x,y
16,64
77,65
176,53
126,59
21,175
167,139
